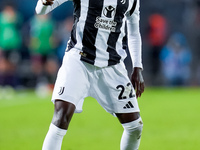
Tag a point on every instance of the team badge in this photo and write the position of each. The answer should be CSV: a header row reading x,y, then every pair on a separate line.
x,y
61,90
123,1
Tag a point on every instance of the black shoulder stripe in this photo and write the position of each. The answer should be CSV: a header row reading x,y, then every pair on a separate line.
x,y
133,7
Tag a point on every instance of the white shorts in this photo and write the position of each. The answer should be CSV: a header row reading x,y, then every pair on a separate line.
x,y
110,86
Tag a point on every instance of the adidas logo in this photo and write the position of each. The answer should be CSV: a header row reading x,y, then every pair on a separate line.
x,y
128,105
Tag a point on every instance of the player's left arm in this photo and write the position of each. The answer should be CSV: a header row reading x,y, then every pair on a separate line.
x,y
135,49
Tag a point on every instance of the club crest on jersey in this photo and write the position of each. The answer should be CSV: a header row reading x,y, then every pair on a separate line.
x,y
123,1
109,11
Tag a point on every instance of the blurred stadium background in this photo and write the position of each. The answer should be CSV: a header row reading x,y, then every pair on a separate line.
x,y
31,51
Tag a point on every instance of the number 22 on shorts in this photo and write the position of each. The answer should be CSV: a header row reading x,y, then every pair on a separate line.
x,y
126,91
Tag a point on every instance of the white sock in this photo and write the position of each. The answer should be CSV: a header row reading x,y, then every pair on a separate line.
x,y
132,134
53,139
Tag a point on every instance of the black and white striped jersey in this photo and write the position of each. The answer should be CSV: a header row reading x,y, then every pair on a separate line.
x,y
99,28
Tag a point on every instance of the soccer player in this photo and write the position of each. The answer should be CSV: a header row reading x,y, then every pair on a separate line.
x,y
93,66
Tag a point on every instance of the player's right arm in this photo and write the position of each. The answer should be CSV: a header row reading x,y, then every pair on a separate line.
x,y
45,6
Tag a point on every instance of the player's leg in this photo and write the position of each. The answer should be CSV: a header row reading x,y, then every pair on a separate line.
x,y
63,112
132,124
117,95
70,89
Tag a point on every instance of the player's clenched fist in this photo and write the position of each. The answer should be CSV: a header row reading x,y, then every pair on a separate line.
x,y
47,2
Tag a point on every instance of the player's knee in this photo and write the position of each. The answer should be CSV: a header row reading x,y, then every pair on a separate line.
x,y
134,128
60,120
62,114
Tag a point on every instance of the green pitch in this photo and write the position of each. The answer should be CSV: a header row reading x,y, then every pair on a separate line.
x,y
170,116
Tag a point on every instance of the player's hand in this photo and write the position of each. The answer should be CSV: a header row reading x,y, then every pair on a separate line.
x,y
137,81
47,2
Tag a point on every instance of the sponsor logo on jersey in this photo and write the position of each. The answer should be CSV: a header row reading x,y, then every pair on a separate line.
x,y
109,11
106,22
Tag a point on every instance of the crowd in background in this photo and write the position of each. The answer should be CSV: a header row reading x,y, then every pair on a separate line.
x,y
32,46
171,33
